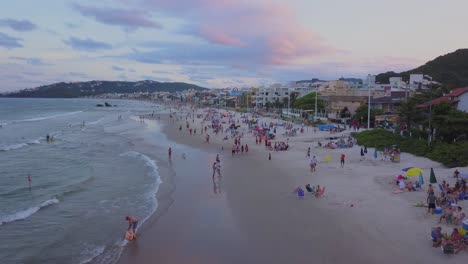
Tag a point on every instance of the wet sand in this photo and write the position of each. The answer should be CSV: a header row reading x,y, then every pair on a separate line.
x,y
258,219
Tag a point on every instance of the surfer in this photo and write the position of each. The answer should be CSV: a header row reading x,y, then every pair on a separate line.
x,y
132,224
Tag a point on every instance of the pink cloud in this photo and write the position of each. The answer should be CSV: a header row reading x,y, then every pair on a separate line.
x,y
220,37
267,27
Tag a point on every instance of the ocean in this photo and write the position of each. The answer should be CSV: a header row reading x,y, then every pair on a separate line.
x,y
83,182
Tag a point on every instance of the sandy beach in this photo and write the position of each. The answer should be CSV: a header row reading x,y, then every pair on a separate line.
x,y
252,215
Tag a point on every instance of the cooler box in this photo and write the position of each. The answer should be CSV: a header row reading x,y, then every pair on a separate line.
x,y
465,224
438,210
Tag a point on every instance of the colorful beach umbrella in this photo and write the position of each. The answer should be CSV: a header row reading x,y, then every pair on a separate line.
x,y
421,179
432,179
414,172
406,169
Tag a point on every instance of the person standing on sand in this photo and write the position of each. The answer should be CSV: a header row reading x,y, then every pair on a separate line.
x,y
431,201
342,159
246,149
269,156
242,149
169,152
308,152
362,154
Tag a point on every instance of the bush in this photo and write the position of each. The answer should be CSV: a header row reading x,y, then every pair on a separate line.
x,y
451,155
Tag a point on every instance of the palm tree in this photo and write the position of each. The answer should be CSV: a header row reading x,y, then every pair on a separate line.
x,y
410,113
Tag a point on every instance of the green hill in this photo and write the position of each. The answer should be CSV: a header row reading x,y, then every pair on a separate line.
x,y
80,89
451,70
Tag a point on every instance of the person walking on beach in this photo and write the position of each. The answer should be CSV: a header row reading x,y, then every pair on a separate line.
x,y
246,149
362,154
242,149
269,156
342,159
308,152
132,224
214,168
169,152
313,164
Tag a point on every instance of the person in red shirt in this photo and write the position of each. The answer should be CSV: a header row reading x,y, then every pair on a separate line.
x,y
342,159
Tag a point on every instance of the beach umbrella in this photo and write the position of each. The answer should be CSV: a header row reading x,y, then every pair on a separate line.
x,y
375,153
421,179
432,179
406,169
414,172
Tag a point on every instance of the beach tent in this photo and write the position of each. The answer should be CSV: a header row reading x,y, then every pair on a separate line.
x,y
432,179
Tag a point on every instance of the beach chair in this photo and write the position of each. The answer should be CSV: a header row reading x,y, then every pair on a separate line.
x,y
322,193
300,193
441,188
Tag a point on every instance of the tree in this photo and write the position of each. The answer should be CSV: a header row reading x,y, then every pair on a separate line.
x,y
410,113
449,123
293,98
362,113
307,102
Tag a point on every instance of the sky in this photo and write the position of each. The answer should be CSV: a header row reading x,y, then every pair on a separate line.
x,y
221,43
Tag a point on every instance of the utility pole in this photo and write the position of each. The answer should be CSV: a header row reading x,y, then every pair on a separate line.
x,y
316,94
368,108
429,138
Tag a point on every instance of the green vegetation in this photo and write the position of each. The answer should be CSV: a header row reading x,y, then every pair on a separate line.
x,y
451,155
362,113
450,69
79,89
307,102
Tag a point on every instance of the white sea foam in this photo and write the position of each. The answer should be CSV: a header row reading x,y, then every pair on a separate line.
x,y
26,213
90,253
20,145
46,117
13,146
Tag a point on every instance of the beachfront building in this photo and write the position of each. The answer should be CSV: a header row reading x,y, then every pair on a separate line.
x,y
457,97
276,93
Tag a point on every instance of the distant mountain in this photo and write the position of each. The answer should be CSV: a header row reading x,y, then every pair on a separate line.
x,y
79,89
451,70
310,81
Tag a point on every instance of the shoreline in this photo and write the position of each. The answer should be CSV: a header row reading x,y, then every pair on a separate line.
x,y
270,219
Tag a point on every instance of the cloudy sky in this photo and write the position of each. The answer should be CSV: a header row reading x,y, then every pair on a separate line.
x,y
221,43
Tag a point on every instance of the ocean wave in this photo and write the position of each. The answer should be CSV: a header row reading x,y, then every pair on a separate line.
x,y
20,145
27,213
96,122
44,117
154,171
89,254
